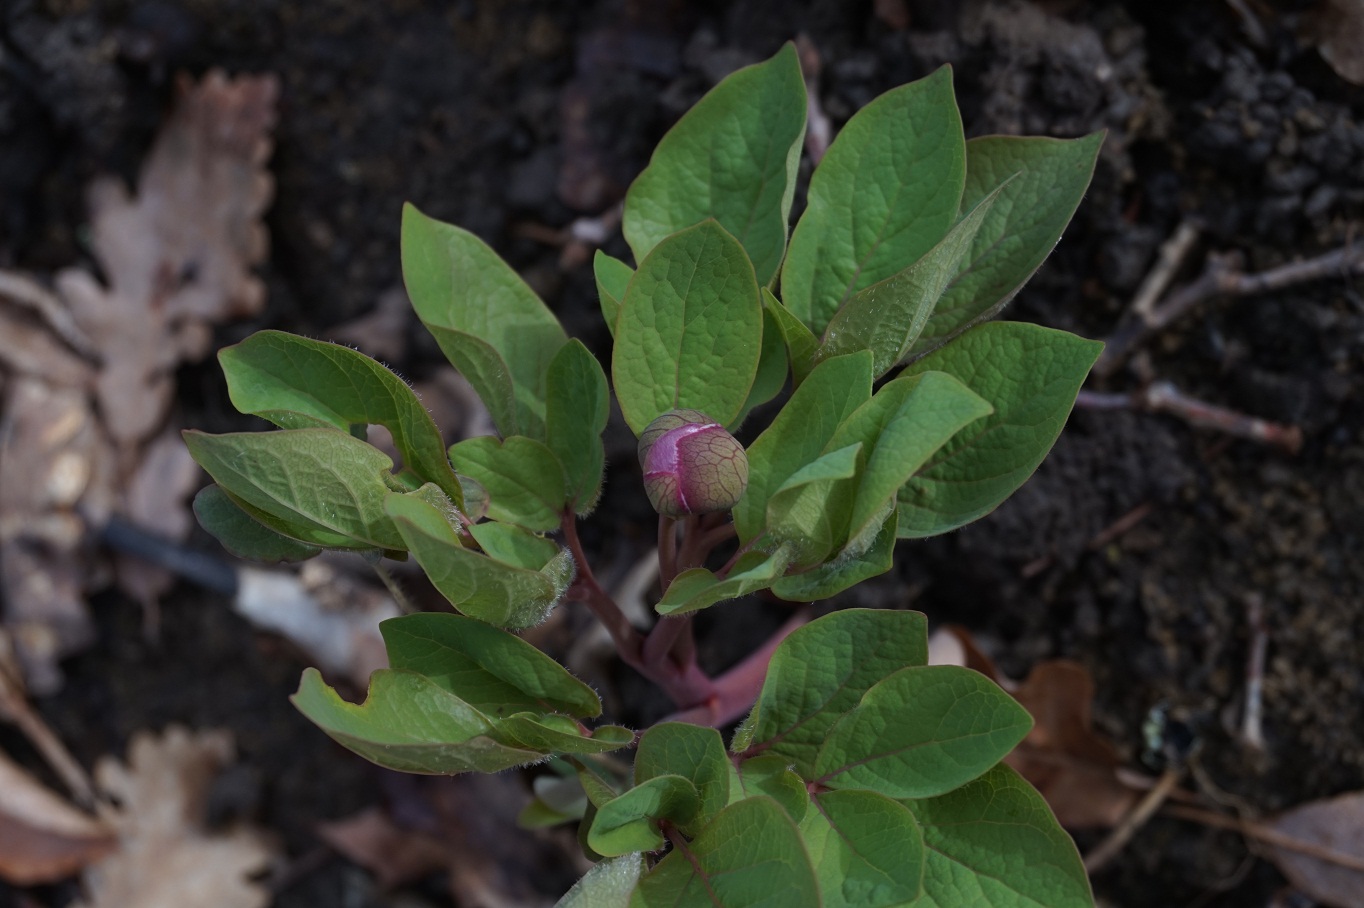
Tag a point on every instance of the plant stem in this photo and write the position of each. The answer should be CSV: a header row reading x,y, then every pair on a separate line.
x,y
667,550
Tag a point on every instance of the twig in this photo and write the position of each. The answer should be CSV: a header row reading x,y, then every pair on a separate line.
x,y
1222,276
1262,833
1164,397
1252,729
1120,526
1136,818
15,708
1172,254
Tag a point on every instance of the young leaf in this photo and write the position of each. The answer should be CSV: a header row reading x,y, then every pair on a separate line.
x,y
1021,229
613,276
901,426
458,284
885,193
1030,375
243,535
844,572
922,732
799,434
294,382
481,587
559,734
769,775
699,588
410,724
995,842
750,856
630,822
821,671
486,371
732,157
524,479
320,479
694,753
607,885
800,342
496,672
887,317
689,333
867,850
771,375
576,412
809,512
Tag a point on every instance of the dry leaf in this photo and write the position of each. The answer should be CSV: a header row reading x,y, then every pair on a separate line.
x,y
43,839
1335,825
166,858
1337,27
393,854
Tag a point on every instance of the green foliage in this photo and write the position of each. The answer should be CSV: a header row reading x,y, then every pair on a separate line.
x,y
862,776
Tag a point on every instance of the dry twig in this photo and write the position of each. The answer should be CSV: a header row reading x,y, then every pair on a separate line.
x,y
1164,397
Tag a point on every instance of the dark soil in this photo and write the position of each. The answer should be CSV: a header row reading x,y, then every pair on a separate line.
x,y
497,114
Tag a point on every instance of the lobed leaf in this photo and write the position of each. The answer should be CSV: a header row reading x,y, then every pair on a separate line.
x,y
1046,178
732,157
921,732
576,411
299,383
995,842
689,333
867,850
1030,375
885,193
462,289
749,856
821,671
524,479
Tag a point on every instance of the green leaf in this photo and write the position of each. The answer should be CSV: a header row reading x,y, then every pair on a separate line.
x,y
613,276
732,157
1021,229
694,753
901,426
885,193
607,885
801,343
243,535
821,671
524,479
556,799
750,856
576,413
459,284
698,588
320,479
843,573
689,333
887,317
559,734
294,382
771,375
995,842
486,371
480,586
409,723
867,850
494,671
1030,375
922,732
799,433
770,776
630,822
809,512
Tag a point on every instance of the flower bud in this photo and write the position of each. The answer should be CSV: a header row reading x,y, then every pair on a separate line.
x,y
691,464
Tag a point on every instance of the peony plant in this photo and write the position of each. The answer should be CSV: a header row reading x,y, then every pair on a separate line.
x,y
859,775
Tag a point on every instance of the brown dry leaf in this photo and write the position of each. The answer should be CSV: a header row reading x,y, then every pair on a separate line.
x,y
43,839
1072,766
178,256
166,858
156,498
1335,825
393,854
1337,27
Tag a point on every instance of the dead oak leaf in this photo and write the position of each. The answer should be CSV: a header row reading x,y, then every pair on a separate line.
x,y
1335,826
166,858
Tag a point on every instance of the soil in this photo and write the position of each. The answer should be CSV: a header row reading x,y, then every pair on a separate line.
x,y
494,115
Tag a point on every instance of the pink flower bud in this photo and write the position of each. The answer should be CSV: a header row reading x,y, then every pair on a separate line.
x,y
691,464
